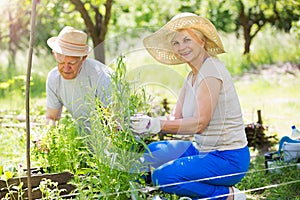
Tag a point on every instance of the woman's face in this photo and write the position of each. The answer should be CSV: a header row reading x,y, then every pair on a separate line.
x,y
68,66
187,46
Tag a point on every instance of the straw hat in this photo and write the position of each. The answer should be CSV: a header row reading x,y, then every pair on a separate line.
x,y
70,42
159,46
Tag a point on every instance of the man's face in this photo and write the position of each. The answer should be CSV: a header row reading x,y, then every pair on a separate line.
x,y
68,66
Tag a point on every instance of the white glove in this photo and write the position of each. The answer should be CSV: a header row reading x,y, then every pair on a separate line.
x,y
144,124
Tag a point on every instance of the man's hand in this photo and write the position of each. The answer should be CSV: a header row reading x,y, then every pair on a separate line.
x,y
142,124
41,147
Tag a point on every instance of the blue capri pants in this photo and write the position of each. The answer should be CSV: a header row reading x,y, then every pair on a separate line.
x,y
181,169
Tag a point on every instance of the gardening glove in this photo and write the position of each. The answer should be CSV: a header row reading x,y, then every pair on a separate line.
x,y
142,124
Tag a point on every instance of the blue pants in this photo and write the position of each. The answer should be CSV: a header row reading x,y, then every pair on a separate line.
x,y
182,170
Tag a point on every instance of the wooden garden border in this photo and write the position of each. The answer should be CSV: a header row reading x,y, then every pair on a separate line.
x,y
61,179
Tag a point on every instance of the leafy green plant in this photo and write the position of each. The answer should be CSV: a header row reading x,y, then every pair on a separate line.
x,y
49,189
105,157
115,151
62,148
14,192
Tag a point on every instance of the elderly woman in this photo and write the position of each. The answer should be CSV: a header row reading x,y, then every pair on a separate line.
x,y
208,107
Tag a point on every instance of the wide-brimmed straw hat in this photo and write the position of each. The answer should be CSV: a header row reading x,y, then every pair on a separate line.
x,y
70,42
159,46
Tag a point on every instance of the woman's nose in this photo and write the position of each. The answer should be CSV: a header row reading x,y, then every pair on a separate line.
x,y
181,46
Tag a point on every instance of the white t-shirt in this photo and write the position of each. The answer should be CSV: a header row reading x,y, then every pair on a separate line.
x,y
226,128
78,95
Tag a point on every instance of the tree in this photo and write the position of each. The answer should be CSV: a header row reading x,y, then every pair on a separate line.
x,y
92,16
250,16
279,13
97,27
14,29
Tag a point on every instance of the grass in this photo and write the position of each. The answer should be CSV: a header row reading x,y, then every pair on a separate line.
x,y
277,98
12,147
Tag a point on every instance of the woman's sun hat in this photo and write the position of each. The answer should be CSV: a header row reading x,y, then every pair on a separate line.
x,y
159,46
70,42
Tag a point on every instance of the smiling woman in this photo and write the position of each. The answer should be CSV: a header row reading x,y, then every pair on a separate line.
x,y
207,108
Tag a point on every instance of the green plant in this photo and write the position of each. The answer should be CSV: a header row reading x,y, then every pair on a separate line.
x,y
115,151
105,157
280,182
50,190
61,148
14,192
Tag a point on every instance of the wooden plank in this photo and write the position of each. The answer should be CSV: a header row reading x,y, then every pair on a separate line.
x,y
37,194
60,178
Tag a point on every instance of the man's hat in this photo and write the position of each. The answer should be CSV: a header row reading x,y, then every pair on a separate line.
x,y
70,42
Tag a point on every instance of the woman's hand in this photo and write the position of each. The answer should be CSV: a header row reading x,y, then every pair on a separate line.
x,y
142,124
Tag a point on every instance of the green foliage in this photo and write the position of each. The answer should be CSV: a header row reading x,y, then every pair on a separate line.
x,y
37,85
280,46
104,156
13,86
49,189
280,182
14,191
115,150
222,14
52,17
61,148
127,99
12,146
136,14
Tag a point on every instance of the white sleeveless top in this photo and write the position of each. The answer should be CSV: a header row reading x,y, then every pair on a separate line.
x,y
225,130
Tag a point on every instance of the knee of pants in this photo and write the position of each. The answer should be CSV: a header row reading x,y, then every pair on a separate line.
x,y
165,180
162,176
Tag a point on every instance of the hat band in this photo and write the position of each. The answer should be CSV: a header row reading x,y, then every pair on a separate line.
x,y
71,46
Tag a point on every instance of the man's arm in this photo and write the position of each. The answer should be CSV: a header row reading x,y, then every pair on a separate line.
x,y
52,115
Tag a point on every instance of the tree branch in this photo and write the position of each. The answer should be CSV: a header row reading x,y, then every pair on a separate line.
x,y
87,19
107,16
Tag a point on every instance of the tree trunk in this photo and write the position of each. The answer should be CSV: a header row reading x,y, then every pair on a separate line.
x,y
246,28
247,43
97,29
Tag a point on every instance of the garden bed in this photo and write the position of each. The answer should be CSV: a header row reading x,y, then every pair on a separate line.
x,y
17,186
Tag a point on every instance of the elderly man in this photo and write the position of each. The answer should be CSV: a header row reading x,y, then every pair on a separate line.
x,y
77,81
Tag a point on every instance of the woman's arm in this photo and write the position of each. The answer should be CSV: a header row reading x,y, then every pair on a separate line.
x,y
177,112
207,98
